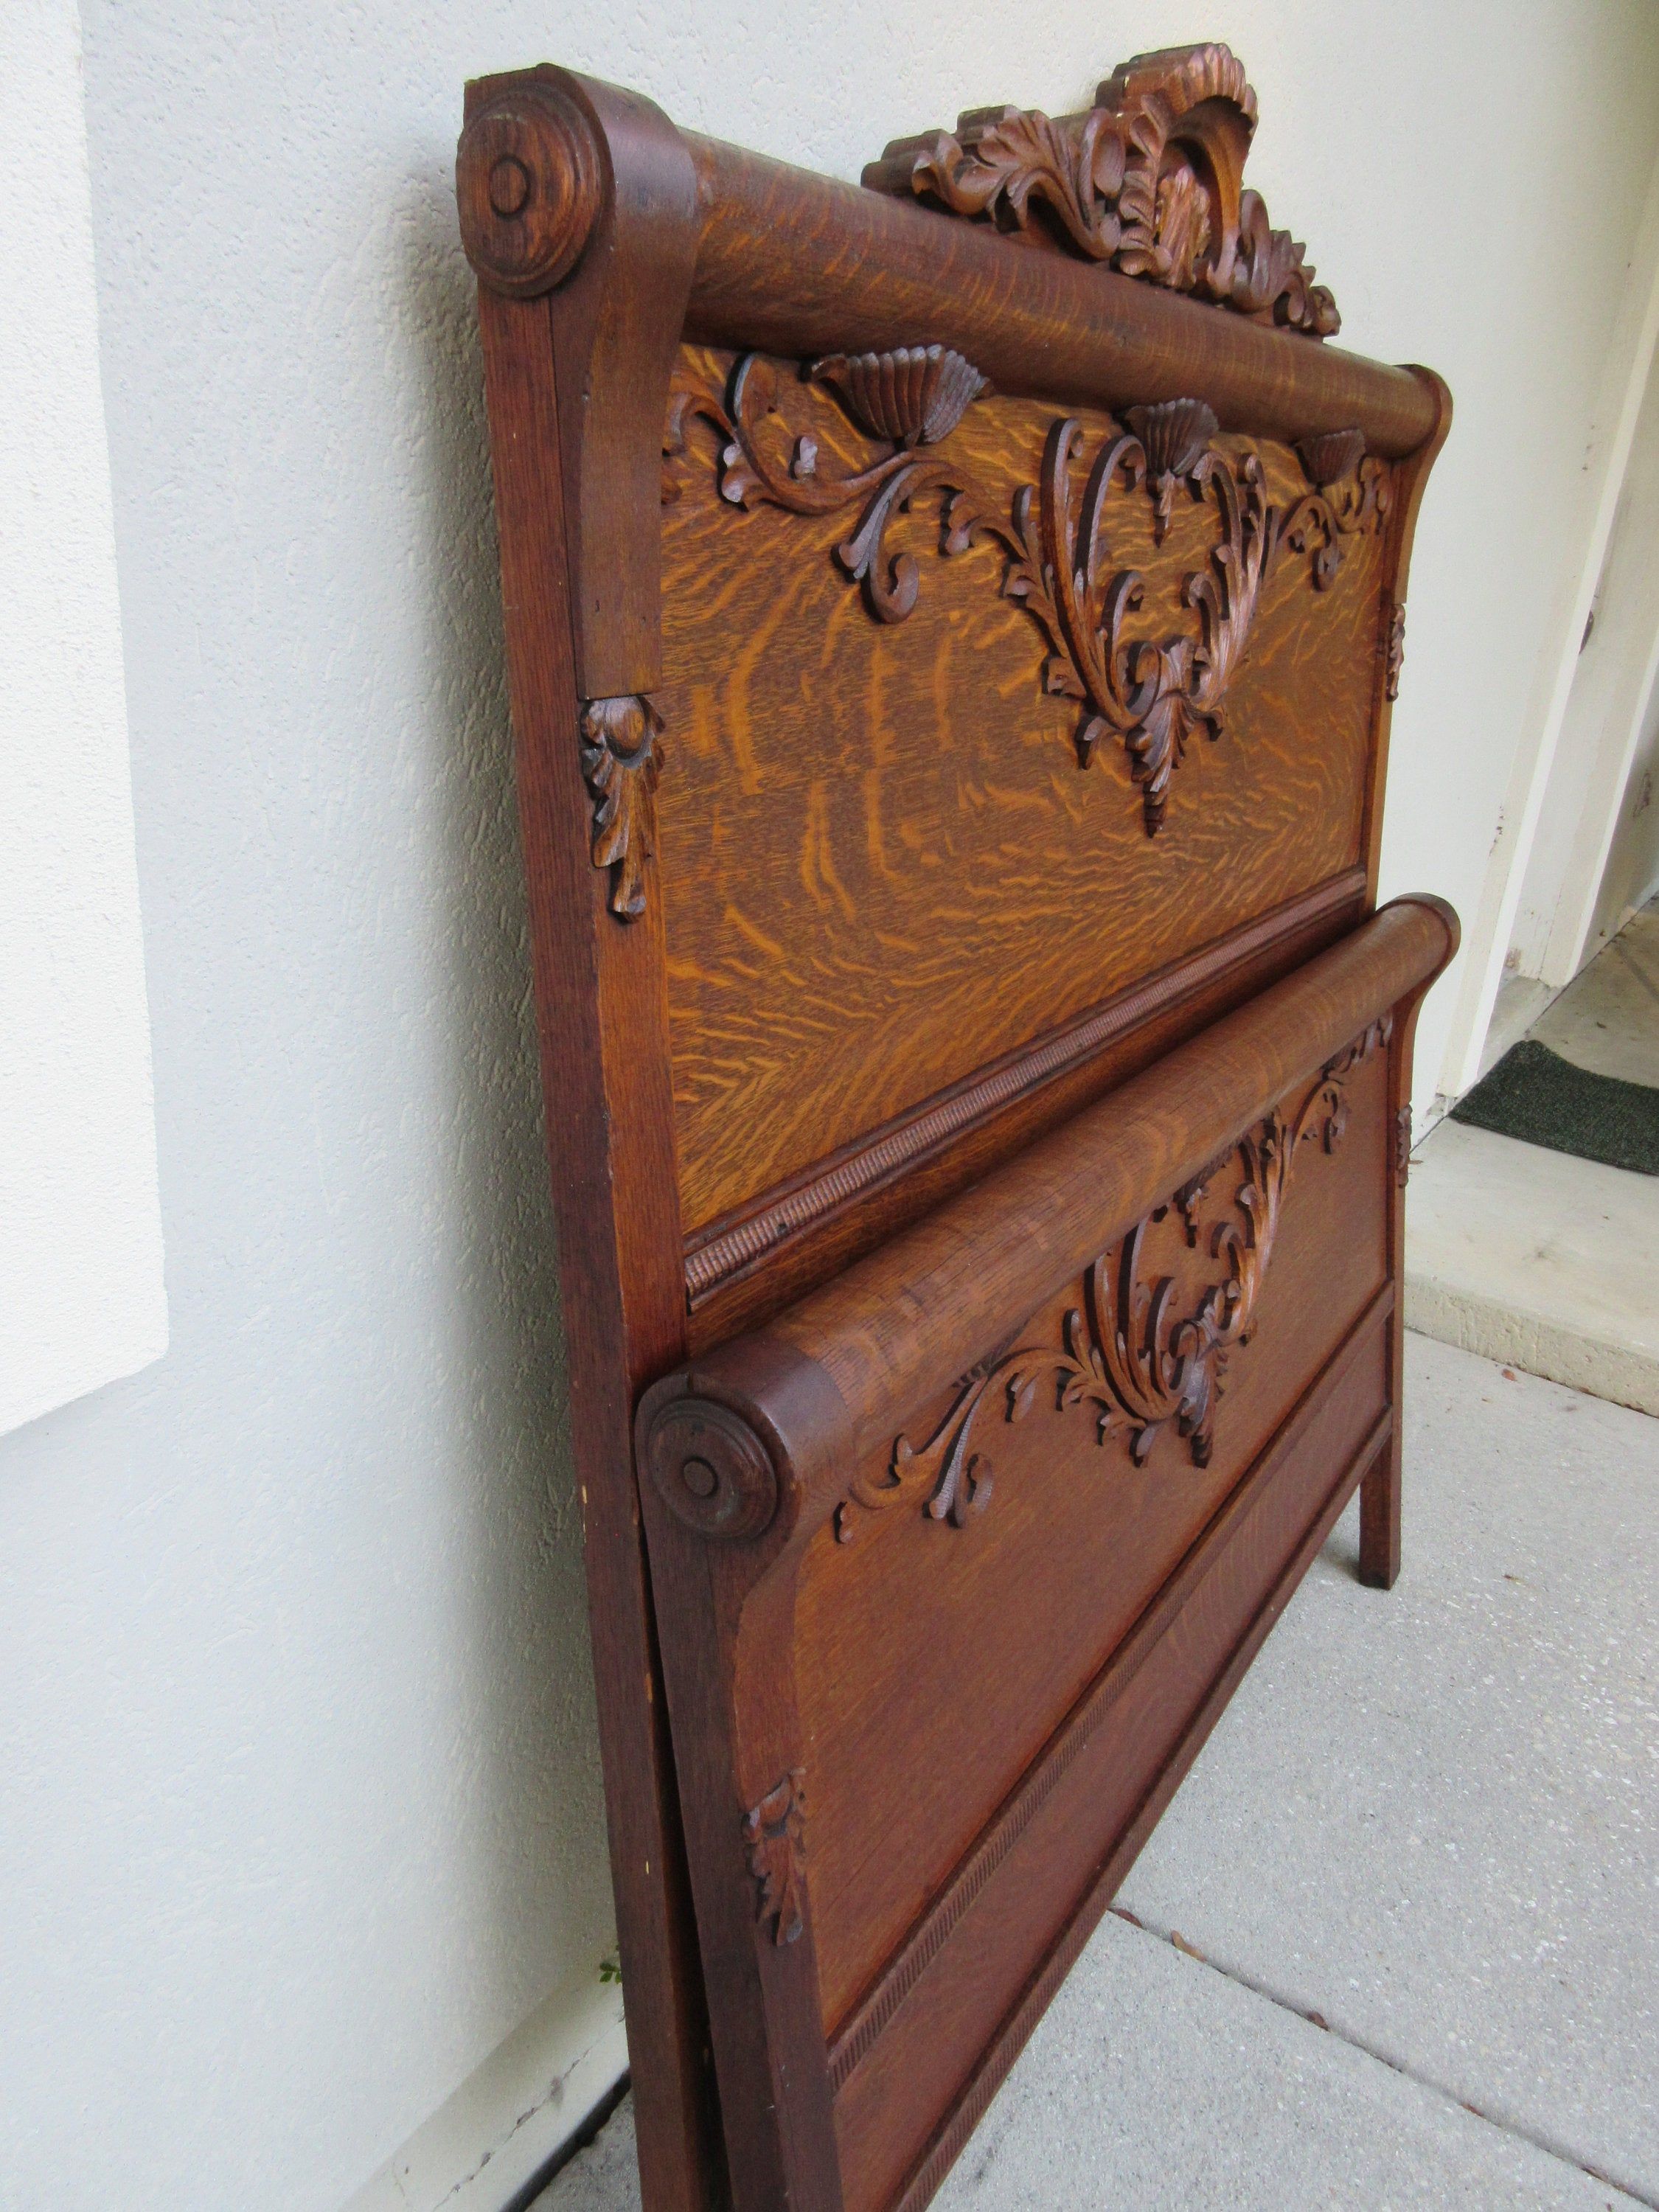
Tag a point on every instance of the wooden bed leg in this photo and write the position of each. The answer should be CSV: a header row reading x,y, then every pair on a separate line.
x,y
1379,1520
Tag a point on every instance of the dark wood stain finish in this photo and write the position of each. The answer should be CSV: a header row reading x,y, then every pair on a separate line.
x,y
953,626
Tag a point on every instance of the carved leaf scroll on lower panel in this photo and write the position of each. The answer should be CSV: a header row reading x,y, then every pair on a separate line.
x,y
1154,695
1125,1349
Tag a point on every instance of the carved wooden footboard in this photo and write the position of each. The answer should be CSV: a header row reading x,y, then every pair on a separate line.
x,y
951,627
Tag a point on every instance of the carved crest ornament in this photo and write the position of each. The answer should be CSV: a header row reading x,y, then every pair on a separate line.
x,y
1149,181
1124,1351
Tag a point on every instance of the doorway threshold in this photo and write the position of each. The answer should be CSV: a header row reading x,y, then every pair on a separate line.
x,y
1535,1257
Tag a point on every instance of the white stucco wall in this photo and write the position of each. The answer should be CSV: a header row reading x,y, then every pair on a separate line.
x,y
302,1814
82,1299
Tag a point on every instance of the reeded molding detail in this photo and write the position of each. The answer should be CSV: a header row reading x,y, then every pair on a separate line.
x,y
1139,1365
1148,181
775,1839
1152,694
621,763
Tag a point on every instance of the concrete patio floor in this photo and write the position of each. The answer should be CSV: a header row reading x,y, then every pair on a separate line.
x,y
1395,1944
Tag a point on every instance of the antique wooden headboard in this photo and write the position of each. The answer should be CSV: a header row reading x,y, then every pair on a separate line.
x,y
951,626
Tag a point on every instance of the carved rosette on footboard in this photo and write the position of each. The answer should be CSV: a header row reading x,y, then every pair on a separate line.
x,y
950,755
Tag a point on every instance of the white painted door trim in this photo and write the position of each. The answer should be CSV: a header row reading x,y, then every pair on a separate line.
x,y
82,1299
1490,930
1606,714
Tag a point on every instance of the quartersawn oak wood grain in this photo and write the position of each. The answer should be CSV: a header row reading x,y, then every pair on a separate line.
x,y
890,1625
883,864
891,1174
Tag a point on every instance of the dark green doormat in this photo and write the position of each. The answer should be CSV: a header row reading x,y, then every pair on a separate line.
x,y
1536,1095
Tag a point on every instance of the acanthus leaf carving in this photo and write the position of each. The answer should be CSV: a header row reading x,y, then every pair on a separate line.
x,y
1125,1350
1002,161
1152,695
1403,1143
774,1837
1174,435
1331,456
1148,181
1394,651
914,396
620,762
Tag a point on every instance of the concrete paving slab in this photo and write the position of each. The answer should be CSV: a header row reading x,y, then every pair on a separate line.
x,y
603,2178
1607,1017
1536,1258
1432,1815
1154,2082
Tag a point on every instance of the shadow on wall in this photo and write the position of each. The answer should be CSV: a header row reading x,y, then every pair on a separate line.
x,y
536,1755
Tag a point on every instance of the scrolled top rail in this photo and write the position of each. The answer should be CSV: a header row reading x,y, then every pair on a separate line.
x,y
793,263
1174,285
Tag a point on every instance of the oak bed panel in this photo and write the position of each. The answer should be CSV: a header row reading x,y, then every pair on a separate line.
x,y
951,626
908,1522
884,862
1131,1726
914,1618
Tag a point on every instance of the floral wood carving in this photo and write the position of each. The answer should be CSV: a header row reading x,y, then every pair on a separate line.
x,y
1150,181
620,762
775,1833
1124,1351
1403,1144
1151,695
1394,651
914,396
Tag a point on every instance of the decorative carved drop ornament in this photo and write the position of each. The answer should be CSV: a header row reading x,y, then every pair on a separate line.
x,y
1395,651
1403,1143
1124,1351
775,1836
1149,181
621,763
1153,695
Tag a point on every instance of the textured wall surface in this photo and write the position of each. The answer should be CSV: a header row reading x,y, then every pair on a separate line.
x,y
302,1814
80,1290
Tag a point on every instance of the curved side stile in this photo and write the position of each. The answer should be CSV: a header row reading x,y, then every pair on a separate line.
x,y
578,212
